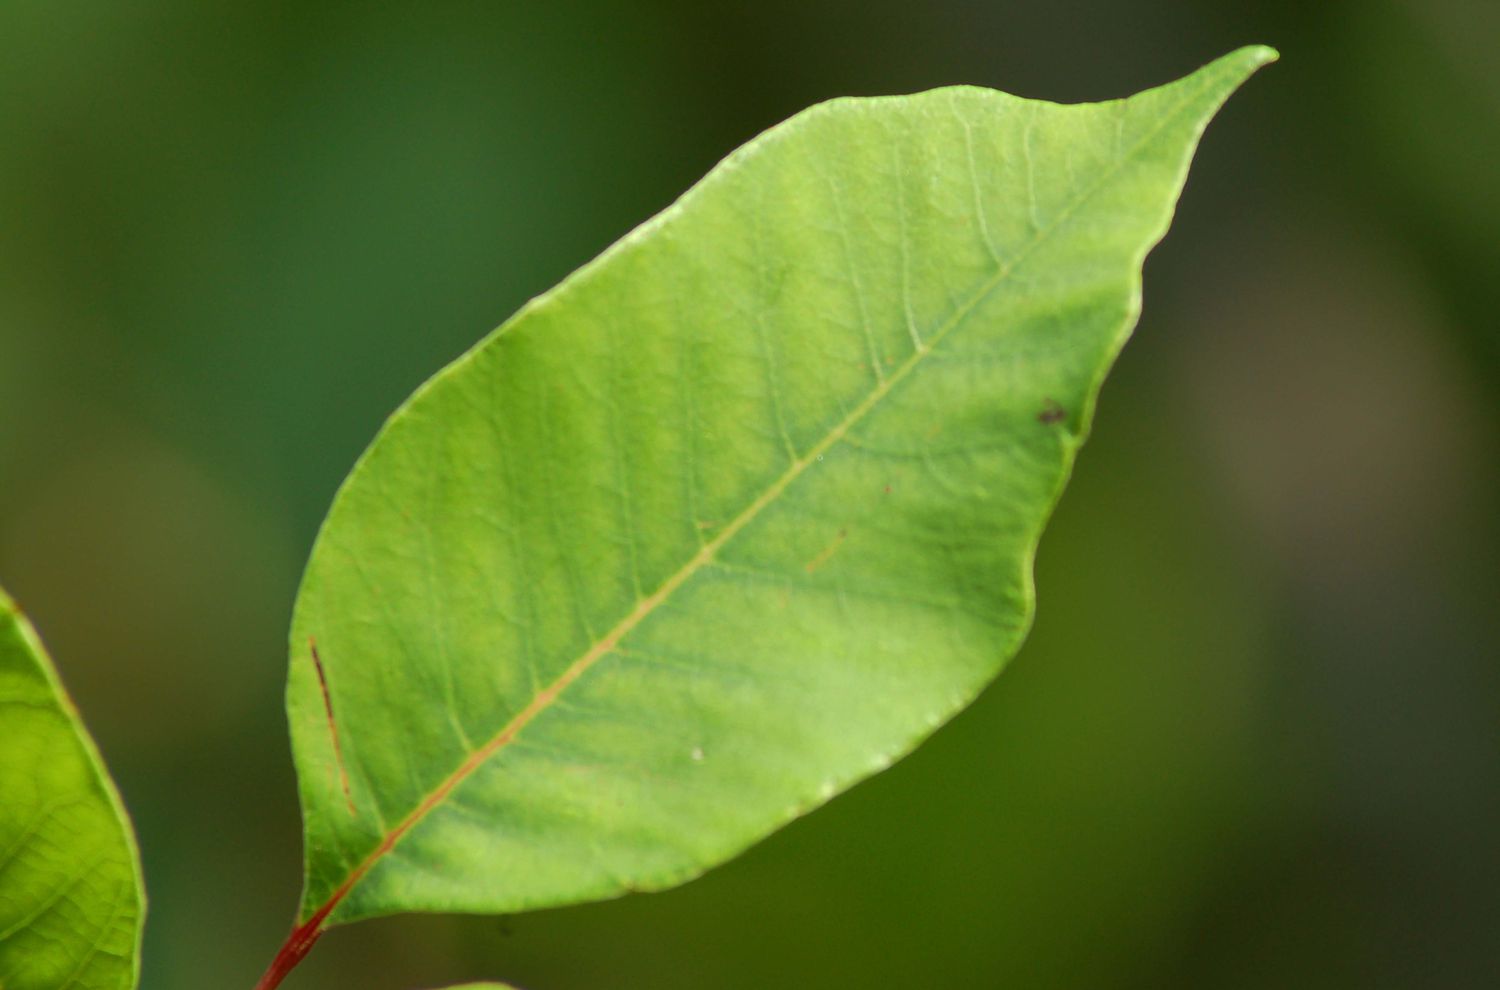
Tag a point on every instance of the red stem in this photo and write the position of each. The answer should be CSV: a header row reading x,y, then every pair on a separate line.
x,y
297,945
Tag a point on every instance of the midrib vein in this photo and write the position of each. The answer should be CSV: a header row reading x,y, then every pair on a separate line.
x,y
604,646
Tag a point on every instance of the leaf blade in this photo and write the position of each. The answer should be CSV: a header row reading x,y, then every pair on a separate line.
x,y
71,900
837,435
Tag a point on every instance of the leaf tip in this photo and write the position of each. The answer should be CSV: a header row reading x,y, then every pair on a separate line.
x,y
1226,74
1259,55
1248,59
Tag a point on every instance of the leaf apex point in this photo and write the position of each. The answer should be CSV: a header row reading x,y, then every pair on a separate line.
x,y
1256,56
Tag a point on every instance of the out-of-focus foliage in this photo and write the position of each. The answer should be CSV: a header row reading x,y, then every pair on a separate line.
x,y
1253,738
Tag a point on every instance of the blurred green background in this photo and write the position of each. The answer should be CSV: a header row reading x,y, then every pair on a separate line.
x,y
1255,737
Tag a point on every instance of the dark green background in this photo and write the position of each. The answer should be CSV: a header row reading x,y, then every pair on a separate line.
x,y
1255,738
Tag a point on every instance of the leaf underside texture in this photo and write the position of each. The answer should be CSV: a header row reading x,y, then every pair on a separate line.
x,y
71,901
732,518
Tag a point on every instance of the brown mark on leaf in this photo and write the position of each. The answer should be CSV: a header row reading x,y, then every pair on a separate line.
x,y
333,728
827,552
1051,413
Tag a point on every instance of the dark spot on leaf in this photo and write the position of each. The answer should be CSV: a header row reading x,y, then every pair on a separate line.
x,y
1051,413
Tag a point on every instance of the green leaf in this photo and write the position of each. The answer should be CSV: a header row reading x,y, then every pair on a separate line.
x,y
735,516
71,900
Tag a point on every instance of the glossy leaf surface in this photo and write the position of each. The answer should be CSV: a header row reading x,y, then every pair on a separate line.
x,y
736,515
71,901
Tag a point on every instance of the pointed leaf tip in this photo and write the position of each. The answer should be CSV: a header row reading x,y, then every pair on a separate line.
x,y
1240,64
1256,55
